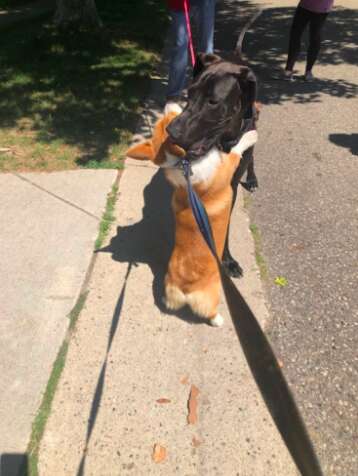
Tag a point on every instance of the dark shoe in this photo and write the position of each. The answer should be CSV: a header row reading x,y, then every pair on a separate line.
x,y
309,76
284,75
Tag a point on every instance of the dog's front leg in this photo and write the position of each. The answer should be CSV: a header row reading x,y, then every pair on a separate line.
x,y
245,149
231,265
251,183
246,165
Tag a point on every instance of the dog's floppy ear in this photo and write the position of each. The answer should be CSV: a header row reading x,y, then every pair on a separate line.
x,y
248,85
153,149
203,60
142,151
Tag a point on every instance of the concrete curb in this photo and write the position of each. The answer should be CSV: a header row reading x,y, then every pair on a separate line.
x,y
35,323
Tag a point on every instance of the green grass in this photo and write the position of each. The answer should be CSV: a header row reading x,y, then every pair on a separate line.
x,y
73,100
247,200
257,240
74,314
258,250
108,217
39,424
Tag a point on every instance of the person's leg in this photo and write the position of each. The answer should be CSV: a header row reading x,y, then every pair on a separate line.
x,y
316,25
299,23
178,55
206,24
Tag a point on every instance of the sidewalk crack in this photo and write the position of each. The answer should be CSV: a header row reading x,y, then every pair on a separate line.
x,y
56,196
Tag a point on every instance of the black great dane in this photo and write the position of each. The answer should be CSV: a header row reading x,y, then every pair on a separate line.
x,y
221,106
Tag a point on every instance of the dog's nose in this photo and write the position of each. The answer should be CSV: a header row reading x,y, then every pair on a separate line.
x,y
174,132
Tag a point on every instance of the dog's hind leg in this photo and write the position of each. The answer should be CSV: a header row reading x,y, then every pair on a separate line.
x,y
174,298
205,303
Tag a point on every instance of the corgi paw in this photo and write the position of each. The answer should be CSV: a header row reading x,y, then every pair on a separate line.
x,y
217,321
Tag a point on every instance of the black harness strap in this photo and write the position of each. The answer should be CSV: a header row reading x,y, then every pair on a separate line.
x,y
259,354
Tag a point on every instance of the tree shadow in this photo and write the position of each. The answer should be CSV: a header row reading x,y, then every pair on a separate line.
x,y
81,89
150,241
265,48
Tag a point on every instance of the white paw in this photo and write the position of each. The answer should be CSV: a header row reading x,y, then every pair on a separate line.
x,y
247,140
172,107
217,321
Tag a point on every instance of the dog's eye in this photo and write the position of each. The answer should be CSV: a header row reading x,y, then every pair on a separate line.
x,y
213,102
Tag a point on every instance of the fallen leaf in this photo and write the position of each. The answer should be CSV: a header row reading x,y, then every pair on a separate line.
x,y
193,405
163,400
5,149
296,247
159,453
281,281
195,442
280,363
184,380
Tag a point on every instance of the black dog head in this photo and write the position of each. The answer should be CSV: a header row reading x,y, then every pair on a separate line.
x,y
220,98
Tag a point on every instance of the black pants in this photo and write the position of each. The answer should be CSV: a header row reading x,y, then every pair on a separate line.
x,y
300,20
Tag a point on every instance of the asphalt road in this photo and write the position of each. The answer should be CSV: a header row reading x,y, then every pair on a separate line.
x,y
306,210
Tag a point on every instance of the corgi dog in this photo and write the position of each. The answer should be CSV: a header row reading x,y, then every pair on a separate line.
x,y
193,277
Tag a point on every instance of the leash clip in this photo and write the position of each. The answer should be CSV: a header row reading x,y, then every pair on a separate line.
x,y
186,167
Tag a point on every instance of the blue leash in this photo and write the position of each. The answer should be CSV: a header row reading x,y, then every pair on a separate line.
x,y
259,354
198,209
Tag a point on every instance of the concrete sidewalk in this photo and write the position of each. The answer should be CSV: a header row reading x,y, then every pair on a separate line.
x,y
131,366
49,223
128,354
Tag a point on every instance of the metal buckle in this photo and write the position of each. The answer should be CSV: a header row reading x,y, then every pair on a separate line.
x,y
186,167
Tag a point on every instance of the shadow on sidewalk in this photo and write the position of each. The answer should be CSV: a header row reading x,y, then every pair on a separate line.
x,y
97,397
150,241
14,464
349,141
265,47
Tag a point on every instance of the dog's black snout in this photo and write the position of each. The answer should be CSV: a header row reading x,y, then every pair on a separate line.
x,y
174,132
177,131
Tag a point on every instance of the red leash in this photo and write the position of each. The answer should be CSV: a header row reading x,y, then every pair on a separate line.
x,y
188,27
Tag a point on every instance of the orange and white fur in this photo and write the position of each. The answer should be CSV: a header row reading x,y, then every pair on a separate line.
x,y
193,277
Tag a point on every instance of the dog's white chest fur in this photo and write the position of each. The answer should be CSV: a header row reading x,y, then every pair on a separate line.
x,y
203,169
